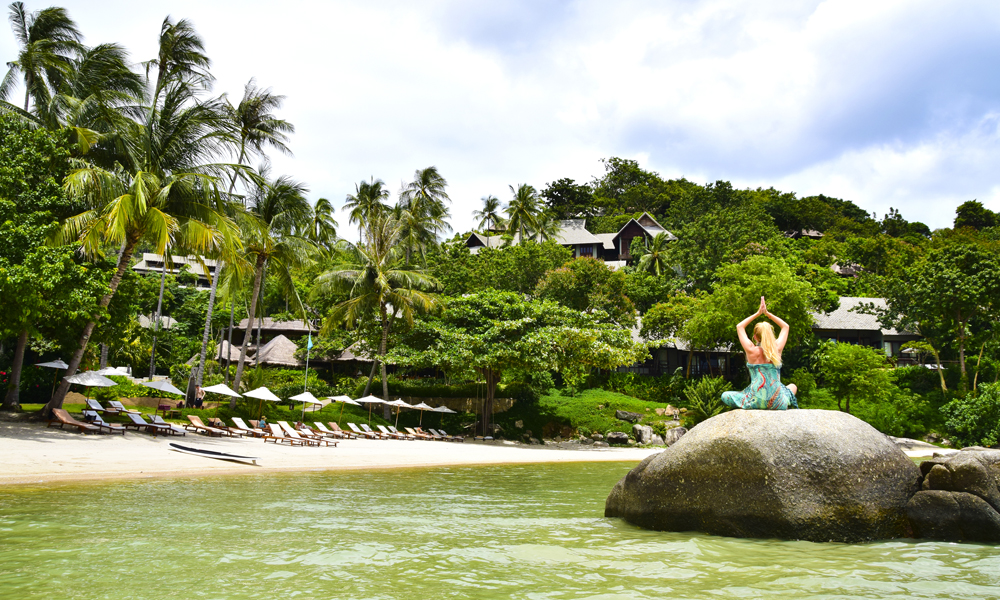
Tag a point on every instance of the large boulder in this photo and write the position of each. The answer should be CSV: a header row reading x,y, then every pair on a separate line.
x,y
959,497
674,434
643,434
798,474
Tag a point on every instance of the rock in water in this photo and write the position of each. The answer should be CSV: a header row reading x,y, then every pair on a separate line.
x,y
960,498
798,474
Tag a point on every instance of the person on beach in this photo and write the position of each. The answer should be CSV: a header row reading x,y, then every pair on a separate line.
x,y
199,396
765,392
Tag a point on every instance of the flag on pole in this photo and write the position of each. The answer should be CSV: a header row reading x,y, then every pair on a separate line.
x,y
309,344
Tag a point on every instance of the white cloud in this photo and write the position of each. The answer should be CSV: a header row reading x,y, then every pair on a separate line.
x,y
887,103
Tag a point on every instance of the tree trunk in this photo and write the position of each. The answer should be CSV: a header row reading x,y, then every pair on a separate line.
x,y
940,368
381,353
208,325
229,343
492,378
371,377
963,383
104,355
156,324
260,319
258,273
88,329
13,399
979,361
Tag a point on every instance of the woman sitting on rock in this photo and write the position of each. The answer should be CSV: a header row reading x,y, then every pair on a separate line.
x,y
766,392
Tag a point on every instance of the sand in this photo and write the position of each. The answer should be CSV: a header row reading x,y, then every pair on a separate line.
x,y
34,454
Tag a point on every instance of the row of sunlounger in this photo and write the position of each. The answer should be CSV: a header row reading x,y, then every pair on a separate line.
x,y
280,432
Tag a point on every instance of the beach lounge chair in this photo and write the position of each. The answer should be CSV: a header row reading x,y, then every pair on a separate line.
x,y
368,429
95,419
391,435
460,438
312,431
138,422
450,438
60,417
220,424
422,436
248,430
434,435
117,405
95,406
336,429
406,436
311,439
173,429
197,425
321,428
278,437
368,434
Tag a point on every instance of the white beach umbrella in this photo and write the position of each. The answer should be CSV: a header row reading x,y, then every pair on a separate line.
x,y
262,393
118,371
221,388
305,398
370,400
422,407
163,385
90,379
398,403
53,364
344,400
443,409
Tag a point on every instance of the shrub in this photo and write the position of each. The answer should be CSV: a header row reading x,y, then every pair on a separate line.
x,y
975,419
704,398
904,414
804,381
665,388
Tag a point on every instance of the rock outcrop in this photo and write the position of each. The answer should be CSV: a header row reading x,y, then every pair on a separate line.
x,y
617,438
673,434
798,474
959,497
631,417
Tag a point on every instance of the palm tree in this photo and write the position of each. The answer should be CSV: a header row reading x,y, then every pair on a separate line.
x,y
275,210
322,230
367,204
159,191
421,210
48,42
376,277
256,125
522,210
546,227
655,259
489,215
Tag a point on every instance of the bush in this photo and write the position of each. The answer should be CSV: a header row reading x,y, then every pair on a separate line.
x,y
127,389
975,419
665,388
804,381
704,398
905,414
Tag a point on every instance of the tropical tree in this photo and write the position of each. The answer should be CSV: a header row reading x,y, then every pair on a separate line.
x,y
367,204
522,210
256,126
655,258
160,190
48,40
275,211
546,227
421,211
322,229
377,278
489,216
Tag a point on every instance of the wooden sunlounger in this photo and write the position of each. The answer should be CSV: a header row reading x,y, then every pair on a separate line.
x,y
61,417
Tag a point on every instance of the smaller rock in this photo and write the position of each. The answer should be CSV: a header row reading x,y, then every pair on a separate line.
x,y
586,441
558,439
618,438
643,434
596,437
534,441
599,444
657,440
631,442
946,443
519,424
673,434
631,417
660,412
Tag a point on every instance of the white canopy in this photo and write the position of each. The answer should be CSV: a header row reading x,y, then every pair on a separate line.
x,y
422,406
262,393
344,399
163,386
371,400
90,379
399,402
53,364
443,409
221,388
119,371
305,397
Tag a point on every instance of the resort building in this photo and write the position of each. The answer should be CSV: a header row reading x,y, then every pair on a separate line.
x,y
202,268
612,248
848,325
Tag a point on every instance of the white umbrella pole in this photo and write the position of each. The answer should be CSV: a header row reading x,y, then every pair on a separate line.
x,y
369,414
397,417
342,404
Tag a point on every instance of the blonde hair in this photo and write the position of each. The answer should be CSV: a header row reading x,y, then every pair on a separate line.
x,y
765,333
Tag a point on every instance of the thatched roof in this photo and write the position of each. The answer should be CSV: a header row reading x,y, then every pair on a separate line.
x,y
297,326
279,351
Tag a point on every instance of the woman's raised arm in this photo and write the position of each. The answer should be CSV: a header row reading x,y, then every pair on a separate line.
x,y
783,336
741,327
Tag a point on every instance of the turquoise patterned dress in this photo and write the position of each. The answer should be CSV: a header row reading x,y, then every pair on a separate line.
x,y
766,392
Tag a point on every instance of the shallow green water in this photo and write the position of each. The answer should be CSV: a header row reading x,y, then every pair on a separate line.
x,y
484,532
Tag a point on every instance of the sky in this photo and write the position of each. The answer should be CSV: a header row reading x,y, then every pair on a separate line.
x,y
886,103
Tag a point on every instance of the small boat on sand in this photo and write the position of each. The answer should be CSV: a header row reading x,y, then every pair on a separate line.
x,y
214,454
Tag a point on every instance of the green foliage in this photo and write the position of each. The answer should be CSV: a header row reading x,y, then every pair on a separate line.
x,y
902,414
857,373
516,268
645,289
974,420
127,389
588,285
704,398
804,381
566,199
736,294
665,320
663,389
974,215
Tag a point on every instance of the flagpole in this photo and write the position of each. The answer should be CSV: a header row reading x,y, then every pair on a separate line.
x,y
305,382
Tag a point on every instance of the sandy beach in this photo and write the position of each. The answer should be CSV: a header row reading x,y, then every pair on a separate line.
x,y
34,454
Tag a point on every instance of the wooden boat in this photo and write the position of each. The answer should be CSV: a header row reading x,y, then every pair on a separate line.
x,y
213,454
